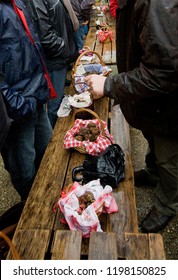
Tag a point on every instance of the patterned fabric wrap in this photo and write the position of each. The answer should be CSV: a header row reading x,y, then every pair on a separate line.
x,y
93,148
95,68
104,35
80,84
88,221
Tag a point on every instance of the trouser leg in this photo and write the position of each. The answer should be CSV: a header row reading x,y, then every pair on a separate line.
x,y
58,78
166,191
21,154
150,160
43,134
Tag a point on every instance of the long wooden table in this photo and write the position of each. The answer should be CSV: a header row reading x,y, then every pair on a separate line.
x,y
40,233
106,50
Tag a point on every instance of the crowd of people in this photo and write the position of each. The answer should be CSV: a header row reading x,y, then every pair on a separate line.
x,y
37,44
39,39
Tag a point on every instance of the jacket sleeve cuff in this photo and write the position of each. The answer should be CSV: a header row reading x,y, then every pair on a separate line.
x,y
108,86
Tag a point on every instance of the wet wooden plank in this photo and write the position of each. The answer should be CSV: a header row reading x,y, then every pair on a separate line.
x,y
37,212
102,246
91,38
156,247
66,245
31,244
106,50
126,219
136,247
106,17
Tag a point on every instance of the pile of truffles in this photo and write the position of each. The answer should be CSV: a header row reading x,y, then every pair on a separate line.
x,y
84,201
90,132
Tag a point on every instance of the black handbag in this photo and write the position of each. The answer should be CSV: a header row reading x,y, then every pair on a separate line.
x,y
108,167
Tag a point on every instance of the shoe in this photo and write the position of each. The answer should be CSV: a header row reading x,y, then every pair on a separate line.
x,y
141,179
155,221
67,83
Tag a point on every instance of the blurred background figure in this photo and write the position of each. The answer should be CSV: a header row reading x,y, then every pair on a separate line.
x,y
83,10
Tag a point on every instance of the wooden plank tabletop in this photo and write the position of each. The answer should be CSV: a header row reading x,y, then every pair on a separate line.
x,y
96,15
106,50
40,233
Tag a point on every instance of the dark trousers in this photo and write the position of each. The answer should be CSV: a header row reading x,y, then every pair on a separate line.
x,y
162,167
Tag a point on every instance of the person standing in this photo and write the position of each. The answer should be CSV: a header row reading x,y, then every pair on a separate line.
x,y
147,90
113,5
26,88
56,33
82,9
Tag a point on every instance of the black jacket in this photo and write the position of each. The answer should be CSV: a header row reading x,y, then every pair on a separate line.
x,y
55,30
82,8
147,60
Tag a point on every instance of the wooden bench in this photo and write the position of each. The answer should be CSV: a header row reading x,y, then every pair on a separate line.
x,y
106,50
96,15
41,235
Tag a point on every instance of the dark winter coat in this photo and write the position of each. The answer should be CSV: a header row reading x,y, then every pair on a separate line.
x,y
25,85
147,60
5,120
82,8
55,30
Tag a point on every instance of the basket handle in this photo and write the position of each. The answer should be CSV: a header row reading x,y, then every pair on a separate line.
x,y
92,113
84,53
86,48
12,248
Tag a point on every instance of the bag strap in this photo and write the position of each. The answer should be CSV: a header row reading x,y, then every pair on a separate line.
x,y
21,15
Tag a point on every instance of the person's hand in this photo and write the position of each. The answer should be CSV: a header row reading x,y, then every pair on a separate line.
x,y
104,9
96,85
85,22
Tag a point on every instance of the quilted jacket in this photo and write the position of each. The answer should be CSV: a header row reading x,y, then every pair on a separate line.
x,y
147,58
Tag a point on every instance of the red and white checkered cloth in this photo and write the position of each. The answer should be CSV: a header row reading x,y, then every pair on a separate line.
x,y
93,148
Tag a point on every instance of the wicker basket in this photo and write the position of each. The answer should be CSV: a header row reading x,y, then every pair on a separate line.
x,y
97,59
82,149
85,48
105,32
12,248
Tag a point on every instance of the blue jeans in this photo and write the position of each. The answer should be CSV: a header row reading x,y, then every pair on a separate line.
x,y
24,149
58,78
79,36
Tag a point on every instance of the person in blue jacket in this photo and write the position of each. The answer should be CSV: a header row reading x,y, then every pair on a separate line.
x,y
25,91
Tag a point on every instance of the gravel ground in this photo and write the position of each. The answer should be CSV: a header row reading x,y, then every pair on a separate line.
x,y
144,195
